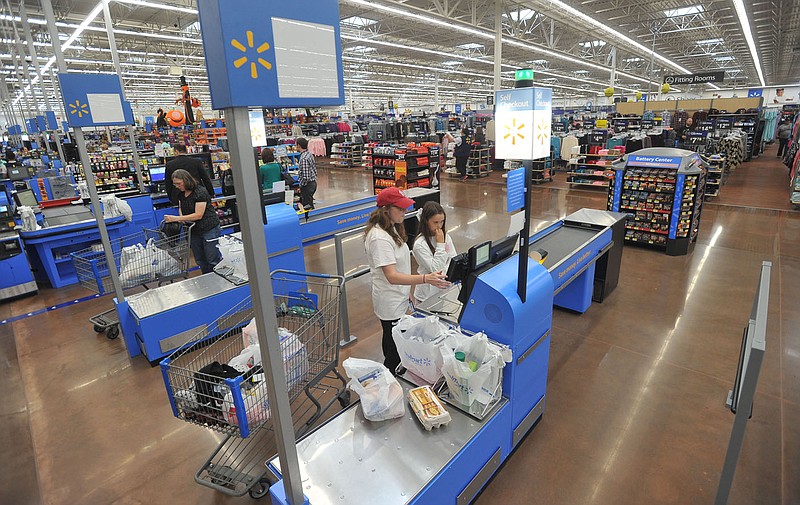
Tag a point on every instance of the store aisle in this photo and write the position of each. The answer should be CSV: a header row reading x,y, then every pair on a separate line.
x,y
761,183
635,396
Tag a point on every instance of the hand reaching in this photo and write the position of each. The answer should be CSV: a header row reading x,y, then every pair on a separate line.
x,y
437,279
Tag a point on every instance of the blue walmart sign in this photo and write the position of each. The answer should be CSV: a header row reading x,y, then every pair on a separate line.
x,y
272,54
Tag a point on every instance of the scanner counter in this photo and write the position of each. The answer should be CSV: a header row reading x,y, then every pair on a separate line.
x,y
399,461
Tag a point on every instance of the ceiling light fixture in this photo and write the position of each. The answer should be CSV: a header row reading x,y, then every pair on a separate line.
x,y
748,36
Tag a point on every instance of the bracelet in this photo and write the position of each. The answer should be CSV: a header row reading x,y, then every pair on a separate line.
x,y
423,279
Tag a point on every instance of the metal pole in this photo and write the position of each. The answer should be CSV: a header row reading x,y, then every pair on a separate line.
x,y
343,312
613,79
84,157
255,249
59,139
498,43
436,94
112,44
652,63
522,274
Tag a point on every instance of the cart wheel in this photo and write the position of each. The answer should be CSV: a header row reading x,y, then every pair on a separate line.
x,y
112,332
99,329
260,489
344,399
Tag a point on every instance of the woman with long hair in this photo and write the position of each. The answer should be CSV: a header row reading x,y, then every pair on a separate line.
x,y
390,265
194,205
433,247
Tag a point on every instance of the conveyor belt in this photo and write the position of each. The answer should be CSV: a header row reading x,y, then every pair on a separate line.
x,y
562,243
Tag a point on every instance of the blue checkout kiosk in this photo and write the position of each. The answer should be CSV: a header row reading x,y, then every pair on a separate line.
x,y
398,461
16,278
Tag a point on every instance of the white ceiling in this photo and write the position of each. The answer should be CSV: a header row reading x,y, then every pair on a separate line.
x,y
397,48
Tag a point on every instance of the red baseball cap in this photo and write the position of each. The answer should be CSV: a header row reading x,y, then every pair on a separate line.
x,y
393,196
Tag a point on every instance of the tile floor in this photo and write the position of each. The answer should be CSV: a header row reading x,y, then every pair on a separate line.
x,y
636,386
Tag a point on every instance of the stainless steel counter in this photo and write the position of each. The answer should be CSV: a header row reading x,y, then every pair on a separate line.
x,y
155,301
354,461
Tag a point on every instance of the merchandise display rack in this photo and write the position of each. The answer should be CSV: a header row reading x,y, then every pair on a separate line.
x,y
347,154
591,169
403,167
748,123
479,163
663,206
715,175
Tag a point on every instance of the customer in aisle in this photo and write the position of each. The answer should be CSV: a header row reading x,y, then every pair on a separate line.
x,y
195,207
783,134
433,247
192,165
683,132
270,171
389,259
461,153
306,174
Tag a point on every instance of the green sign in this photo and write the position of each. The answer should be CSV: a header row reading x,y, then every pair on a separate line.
x,y
524,74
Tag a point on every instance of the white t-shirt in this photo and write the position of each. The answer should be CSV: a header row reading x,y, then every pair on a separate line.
x,y
389,301
429,262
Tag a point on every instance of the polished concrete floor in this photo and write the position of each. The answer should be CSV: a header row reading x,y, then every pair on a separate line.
x,y
635,408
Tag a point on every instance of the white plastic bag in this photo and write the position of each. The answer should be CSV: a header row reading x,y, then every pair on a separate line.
x,y
232,251
136,270
28,219
110,208
125,209
247,359
162,262
293,351
380,393
418,341
476,386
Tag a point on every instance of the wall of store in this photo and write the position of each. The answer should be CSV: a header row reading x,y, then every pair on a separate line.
x,y
791,94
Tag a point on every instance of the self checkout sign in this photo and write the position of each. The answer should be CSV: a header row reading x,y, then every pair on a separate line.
x,y
272,54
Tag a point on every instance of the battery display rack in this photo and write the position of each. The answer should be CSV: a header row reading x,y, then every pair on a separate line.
x,y
663,206
404,167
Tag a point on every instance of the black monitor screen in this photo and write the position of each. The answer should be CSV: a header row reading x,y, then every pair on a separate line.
x,y
503,248
26,197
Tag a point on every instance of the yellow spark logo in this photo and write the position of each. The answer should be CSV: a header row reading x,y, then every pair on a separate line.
x,y
241,61
79,108
513,132
544,132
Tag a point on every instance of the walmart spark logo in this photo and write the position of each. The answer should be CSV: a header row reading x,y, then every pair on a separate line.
x,y
514,132
79,108
544,132
244,59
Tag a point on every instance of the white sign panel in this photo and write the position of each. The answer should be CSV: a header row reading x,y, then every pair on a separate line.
x,y
105,107
522,123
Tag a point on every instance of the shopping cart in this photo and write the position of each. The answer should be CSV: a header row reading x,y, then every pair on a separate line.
x,y
146,257
204,392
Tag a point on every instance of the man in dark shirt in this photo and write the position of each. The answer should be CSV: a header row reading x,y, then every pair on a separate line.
x,y
192,165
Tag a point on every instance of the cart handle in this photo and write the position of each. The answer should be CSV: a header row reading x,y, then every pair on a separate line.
x,y
339,278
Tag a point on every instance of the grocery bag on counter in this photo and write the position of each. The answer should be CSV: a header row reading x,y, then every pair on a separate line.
x,y
380,393
113,207
28,217
232,251
476,381
418,340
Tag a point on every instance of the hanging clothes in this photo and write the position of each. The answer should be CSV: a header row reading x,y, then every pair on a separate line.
x,y
567,143
490,134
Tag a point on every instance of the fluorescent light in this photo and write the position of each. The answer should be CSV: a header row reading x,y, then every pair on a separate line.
x,y
582,72
471,45
683,11
590,43
520,15
724,58
358,22
538,62
748,36
143,3
632,60
709,42
361,49
452,63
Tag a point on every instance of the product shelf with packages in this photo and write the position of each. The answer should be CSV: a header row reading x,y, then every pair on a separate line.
x,y
146,257
216,380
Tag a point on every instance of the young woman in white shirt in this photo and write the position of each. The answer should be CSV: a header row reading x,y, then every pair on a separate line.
x,y
433,247
390,266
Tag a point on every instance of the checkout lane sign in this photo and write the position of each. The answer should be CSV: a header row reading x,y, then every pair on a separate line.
x,y
522,123
272,54
94,100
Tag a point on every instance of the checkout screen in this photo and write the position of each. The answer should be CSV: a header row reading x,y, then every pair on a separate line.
x,y
482,255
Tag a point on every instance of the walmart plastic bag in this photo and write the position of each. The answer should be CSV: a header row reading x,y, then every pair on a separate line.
x,y
113,207
418,341
293,351
140,264
475,382
233,262
380,393
28,217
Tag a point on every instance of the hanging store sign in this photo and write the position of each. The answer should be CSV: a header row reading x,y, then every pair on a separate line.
x,y
458,108
94,100
694,78
755,93
272,54
654,161
490,100
523,123
52,123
